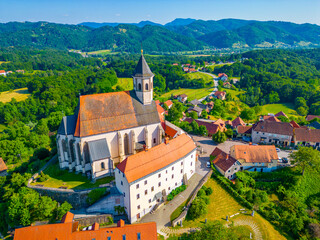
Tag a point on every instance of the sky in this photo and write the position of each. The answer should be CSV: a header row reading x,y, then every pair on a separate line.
x,y
160,11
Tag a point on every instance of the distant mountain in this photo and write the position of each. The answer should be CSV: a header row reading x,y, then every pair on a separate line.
x,y
123,37
178,35
98,25
180,22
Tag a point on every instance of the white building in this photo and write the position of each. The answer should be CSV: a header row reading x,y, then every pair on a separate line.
x,y
108,127
146,178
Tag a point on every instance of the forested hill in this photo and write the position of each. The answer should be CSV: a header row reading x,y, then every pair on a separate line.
x,y
122,37
179,35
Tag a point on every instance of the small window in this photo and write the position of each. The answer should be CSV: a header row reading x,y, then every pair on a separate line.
x,y
139,86
145,192
191,156
176,184
124,194
102,166
122,174
138,236
172,176
147,86
152,188
149,200
137,186
138,196
181,163
138,207
191,164
124,237
109,238
172,168
121,183
169,188
154,140
159,184
181,171
159,175
166,171
166,179
145,182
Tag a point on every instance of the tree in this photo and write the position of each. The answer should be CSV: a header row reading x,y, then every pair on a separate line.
x,y
198,208
248,114
306,158
195,127
203,130
194,115
204,114
283,119
63,209
219,137
229,133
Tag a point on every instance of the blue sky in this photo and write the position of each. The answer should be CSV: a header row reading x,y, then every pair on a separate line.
x,y
161,11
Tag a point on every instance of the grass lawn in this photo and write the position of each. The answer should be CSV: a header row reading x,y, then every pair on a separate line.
x,y
234,93
100,52
19,94
287,108
125,83
191,93
71,180
178,211
223,204
197,75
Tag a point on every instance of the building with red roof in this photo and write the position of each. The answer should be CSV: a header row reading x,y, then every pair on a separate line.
x,y
3,168
169,103
224,163
220,95
311,117
68,229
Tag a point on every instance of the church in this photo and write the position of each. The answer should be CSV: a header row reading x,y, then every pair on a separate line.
x,y
106,128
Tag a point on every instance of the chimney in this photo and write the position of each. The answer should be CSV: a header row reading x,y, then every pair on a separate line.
x,y
95,226
250,143
166,140
227,157
120,223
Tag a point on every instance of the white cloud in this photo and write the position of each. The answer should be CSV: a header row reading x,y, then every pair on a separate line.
x,y
118,15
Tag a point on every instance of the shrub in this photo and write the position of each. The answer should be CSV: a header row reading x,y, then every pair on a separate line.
x,y
95,195
201,193
119,209
175,192
198,208
43,177
209,191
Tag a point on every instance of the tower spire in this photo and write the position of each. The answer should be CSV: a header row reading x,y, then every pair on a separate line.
x,y
141,49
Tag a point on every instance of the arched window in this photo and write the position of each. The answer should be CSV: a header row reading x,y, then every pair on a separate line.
x,y
102,166
147,86
73,158
86,152
139,86
126,144
64,145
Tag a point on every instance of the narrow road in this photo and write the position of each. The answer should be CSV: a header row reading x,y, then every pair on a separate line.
x,y
215,80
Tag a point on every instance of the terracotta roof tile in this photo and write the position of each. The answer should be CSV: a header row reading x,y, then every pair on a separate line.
x,y
310,117
211,127
294,124
168,103
144,163
222,160
107,112
307,135
67,218
244,129
238,121
271,118
255,154
281,114
3,166
170,131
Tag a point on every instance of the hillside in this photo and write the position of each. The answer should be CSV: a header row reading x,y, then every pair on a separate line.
x,y
178,35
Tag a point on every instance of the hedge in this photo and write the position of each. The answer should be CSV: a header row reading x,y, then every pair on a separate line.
x,y
226,184
176,191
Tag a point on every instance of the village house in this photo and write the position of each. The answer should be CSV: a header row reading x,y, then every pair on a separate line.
x,y
269,118
220,95
212,127
281,114
243,131
196,109
108,127
68,229
237,122
227,84
171,131
195,102
223,76
169,103
307,137
270,132
311,117
224,163
262,158
3,168
146,178
182,98
3,73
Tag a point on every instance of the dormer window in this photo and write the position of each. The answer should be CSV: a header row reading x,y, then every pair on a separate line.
x,y
147,86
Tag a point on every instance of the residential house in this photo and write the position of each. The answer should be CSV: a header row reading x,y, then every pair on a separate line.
x,y
227,84
244,131
172,131
210,105
307,137
223,76
224,163
294,124
186,69
270,132
169,103
270,118
161,112
146,178
220,95
68,229
262,158
182,98
3,168
192,70
211,127
281,114
195,102
228,123
3,73
196,109
108,127
20,71
311,117
237,122
175,64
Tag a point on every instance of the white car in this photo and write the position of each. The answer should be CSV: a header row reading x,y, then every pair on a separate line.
x,y
208,165
278,149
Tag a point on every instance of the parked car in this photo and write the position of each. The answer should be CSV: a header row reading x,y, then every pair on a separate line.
x,y
278,149
285,160
208,165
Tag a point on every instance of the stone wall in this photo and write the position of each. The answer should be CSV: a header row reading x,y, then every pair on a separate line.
x,y
95,219
183,215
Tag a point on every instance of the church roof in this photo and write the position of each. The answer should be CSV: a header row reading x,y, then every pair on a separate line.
x,y
108,112
67,125
142,69
147,162
99,149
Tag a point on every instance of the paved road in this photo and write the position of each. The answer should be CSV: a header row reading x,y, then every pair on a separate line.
x,y
215,79
162,215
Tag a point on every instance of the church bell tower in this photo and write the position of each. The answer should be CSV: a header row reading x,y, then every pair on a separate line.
x,y
143,81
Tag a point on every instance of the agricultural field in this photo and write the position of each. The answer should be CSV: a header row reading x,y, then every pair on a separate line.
x,y
211,67
197,75
20,94
223,204
287,108
190,92
101,52
64,178
125,83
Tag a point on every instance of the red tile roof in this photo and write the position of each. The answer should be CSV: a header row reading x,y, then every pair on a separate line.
x,y
271,118
3,166
307,135
294,124
2,71
311,117
160,109
219,93
67,218
65,231
107,112
144,163
157,102
281,114
168,103
244,129
170,131
222,160
255,154
281,128
238,121
211,127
